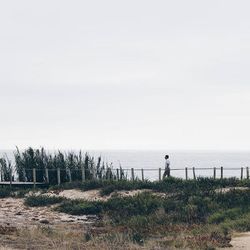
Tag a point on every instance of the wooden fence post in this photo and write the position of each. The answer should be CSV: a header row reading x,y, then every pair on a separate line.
x,y
117,174
70,177
186,173
24,175
194,173
142,174
241,173
247,172
34,177
159,174
121,173
58,176
10,177
83,173
47,175
214,173
221,172
132,174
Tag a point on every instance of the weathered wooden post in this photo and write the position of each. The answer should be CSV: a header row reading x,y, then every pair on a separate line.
x,y
159,174
132,174
247,172
142,174
34,177
194,173
58,176
241,173
69,174
47,175
186,173
221,172
121,173
214,173
83,173
117,174
10,177
109,173
24,175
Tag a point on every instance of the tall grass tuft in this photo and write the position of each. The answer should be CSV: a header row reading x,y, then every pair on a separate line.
x,y
6,169
71,165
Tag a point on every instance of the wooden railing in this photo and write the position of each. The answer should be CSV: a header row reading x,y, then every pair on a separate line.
x,y
188,173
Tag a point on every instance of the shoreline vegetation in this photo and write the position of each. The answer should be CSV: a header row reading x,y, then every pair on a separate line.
x,y
109,212
173,213
72,166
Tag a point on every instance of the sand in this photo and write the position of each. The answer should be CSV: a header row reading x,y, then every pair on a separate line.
x,y
239,241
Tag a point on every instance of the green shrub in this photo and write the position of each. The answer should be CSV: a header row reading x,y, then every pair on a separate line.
x,y
5,192
241,224
141,204
116,207
42,200
80,207
234,198
230,214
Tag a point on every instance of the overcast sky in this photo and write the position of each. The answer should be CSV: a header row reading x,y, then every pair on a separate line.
x,y
134,74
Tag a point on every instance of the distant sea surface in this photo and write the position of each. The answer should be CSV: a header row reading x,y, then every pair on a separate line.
x,y
151,161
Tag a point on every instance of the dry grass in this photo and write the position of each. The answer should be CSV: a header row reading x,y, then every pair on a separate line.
x,y
40,238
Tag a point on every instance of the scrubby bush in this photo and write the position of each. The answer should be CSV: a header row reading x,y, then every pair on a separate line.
x,y
42,200
80,207
141,204
221,216
5,192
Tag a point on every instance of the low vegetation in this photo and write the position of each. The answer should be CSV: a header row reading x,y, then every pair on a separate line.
x,y
194,214
42,200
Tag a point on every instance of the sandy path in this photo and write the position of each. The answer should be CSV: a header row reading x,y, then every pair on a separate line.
x,y
16,218
239,241
13,213
94,195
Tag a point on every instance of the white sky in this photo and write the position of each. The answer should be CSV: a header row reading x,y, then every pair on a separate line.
x,y
132,74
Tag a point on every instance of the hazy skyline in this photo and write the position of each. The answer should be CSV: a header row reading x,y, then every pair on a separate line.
x,y
125,74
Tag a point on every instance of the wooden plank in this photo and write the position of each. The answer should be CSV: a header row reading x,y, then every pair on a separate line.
x,y
20,183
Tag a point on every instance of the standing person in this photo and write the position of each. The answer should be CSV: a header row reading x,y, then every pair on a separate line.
x,y
167,167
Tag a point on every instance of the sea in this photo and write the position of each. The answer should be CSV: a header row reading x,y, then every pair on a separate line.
x,y
204,162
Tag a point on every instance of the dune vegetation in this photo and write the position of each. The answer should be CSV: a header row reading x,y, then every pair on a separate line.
x,y
173,213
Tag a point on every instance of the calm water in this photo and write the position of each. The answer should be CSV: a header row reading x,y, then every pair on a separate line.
x,y
178,159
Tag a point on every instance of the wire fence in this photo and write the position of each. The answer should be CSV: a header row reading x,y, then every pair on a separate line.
x,y
57,176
